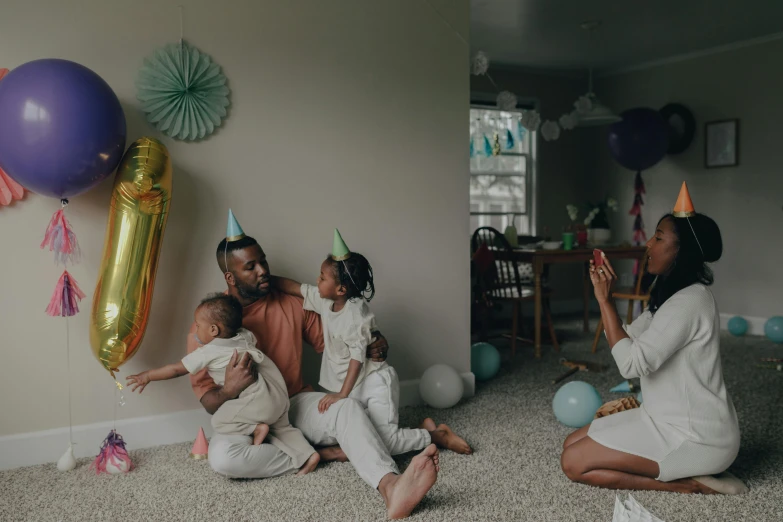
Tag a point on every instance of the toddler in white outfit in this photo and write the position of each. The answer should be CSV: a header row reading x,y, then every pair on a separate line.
x,y
345,285
261,410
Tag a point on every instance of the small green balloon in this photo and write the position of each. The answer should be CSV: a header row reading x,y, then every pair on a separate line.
x,y
484,361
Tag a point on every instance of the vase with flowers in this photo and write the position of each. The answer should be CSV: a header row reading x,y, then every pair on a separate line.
x,y
579,229
598,221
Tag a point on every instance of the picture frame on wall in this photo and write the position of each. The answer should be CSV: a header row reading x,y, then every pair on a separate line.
x,y
721,144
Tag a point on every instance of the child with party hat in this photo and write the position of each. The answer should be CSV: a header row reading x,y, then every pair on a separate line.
x,y
261,410
345,286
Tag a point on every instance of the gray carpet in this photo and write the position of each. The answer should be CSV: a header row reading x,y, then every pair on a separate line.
x,y
514,474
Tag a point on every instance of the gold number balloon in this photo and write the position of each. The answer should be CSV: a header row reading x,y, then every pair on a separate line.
x,y
139,209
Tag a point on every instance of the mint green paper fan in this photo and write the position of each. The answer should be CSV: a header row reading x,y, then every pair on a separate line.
x,y
183,93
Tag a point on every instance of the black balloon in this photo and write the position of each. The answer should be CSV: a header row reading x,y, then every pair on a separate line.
x,y
640,140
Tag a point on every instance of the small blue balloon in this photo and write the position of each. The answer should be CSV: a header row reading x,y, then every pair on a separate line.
x,y
773,329
738,325
575,404
484,361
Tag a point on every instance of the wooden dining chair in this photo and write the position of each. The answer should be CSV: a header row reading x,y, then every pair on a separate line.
x,y
632,295
498,278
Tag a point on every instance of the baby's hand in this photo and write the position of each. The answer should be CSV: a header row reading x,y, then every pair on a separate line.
x,y
138,381
328,400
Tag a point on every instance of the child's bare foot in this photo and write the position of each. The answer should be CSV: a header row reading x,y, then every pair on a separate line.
x,y
260,433
332,454
428,424
310,465
404,492
445,438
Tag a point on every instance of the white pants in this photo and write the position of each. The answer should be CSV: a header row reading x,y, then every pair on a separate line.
x,y
379,394
345,423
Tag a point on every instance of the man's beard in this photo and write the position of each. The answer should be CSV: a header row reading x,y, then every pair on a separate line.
x,y
249,291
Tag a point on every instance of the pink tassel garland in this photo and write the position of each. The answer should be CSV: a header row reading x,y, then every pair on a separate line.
x,y
113,457
61,239
639,236
64,302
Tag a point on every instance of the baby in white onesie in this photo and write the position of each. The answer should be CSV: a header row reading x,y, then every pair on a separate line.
x,y
261,409
345,285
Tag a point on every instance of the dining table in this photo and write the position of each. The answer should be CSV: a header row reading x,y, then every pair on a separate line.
x,y
540,258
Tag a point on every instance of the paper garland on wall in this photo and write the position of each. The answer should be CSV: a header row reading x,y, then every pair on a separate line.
x,y
10,190
531,119
183,92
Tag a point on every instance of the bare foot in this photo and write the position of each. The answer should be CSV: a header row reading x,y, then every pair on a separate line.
x,y
694,486
428,424
310,465
404,492
332,454
260,433
445,438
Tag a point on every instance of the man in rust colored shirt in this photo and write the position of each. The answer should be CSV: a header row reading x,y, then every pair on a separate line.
x,y
281,324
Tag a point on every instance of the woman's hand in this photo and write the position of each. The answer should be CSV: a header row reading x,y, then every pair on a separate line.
x,y
602,277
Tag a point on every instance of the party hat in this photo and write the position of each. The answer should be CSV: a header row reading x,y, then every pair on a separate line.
x,y
200,447
340,250
684,205
234,232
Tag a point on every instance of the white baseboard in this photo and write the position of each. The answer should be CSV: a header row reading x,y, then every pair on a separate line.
x,y
409,390
755,324
42,447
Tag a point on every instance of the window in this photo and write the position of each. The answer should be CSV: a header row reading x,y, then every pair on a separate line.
x,y
502,170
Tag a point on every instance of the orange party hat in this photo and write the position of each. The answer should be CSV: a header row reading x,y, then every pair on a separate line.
x,y
684,206
200,447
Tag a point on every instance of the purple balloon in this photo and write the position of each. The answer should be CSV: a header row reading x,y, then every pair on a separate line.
x,y
640,140
62,129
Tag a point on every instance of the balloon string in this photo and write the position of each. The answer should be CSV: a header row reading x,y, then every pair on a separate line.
x,y
446,22
68,365
181,24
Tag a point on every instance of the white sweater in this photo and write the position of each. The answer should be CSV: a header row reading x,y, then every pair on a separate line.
x,y
676,353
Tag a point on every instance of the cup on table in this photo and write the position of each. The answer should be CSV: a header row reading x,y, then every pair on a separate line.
x,y
568,240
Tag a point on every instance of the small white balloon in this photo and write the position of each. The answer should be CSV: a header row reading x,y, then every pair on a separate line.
x,y
67,462
441,386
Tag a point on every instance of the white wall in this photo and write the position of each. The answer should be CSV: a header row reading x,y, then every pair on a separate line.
x,y
346,114
745,200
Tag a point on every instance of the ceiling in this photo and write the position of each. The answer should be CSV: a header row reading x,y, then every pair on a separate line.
x,y
547,34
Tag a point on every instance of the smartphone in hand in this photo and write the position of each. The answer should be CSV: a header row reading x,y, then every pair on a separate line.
x,y
598,257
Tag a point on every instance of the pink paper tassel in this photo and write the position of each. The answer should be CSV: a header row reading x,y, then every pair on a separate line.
x,y
66,297
638,184
61,239
113,457
10,190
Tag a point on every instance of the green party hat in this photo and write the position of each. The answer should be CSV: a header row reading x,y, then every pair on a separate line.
x,y
234,232
340,250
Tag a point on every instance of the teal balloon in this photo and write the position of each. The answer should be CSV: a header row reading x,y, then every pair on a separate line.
x,y
575,404
738,325
773,329
484,361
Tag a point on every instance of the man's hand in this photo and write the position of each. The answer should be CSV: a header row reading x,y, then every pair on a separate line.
x,y
138,381
240,373
328,400
378,349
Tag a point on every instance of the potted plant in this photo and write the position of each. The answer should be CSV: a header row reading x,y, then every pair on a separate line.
x,y
598,221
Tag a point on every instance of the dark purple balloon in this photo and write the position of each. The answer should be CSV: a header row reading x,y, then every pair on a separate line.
x,y
640,140
62,129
